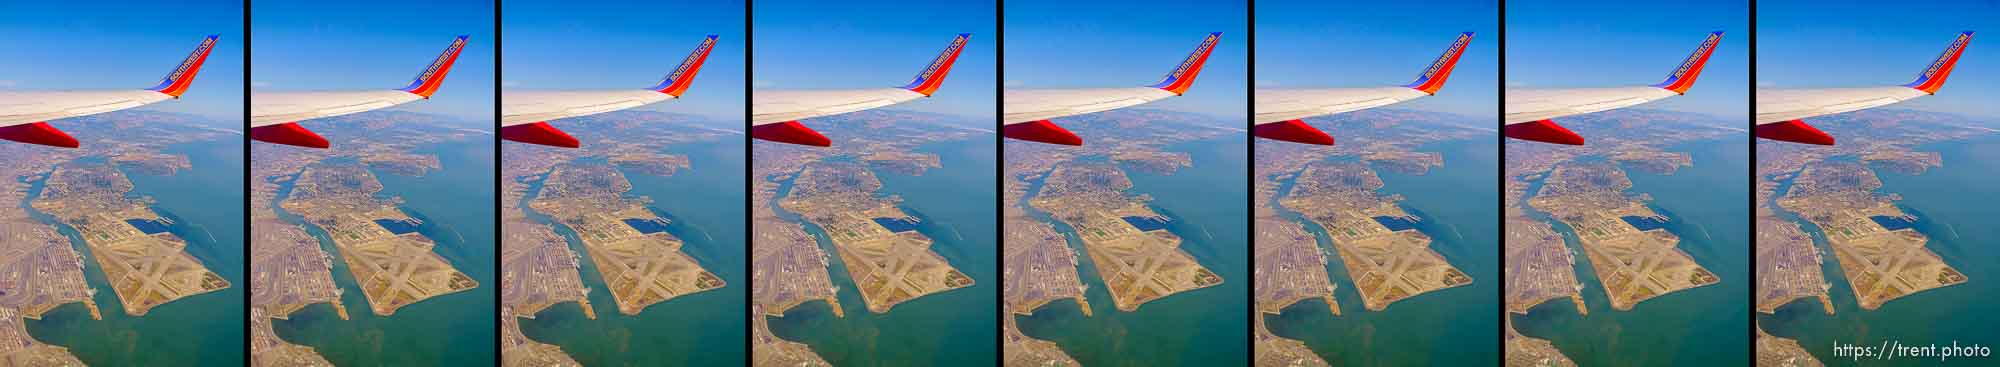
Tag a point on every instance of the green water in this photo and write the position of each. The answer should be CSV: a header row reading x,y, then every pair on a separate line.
x,y
1954,207
456,206
1452,327
705,204
1708,207
1205,327
206,204
958,327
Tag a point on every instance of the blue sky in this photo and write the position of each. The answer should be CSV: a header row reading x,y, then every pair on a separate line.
x,y
71,45
1098,44
1837,44
1319,44
873,44
557,44
376,44
1565,44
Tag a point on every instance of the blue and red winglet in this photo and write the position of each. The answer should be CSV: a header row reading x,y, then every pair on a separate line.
x,y
177,81
1434,76
927,82
677,82
428,81
1683,76
1933,77
1178,80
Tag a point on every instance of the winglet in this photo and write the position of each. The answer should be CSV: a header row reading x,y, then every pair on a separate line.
x,y
927,82
1545,131
1295,131
427,82
677,82
1434,76
1683,76
1933,77
39,133
1178,80
178,80
790,132
539,133
1041,131
289,133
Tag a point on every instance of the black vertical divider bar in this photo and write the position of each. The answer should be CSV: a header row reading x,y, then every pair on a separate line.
x,y
1250,177
749,182
246,182
1000,175
498,323
1750,183
749,188
1500,184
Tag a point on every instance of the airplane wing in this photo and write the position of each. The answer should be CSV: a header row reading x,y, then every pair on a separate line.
x,y
1027,112
1781,112
1530,112
274,116
775,115
524,115
24,114
1279,111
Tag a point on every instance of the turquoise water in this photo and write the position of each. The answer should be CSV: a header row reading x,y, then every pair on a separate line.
x,y
1954,207
1708,207
958,327
1204,327
705,205
206,205
456,207
1451,327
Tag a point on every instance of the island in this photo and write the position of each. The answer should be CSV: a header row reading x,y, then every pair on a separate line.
x,y
1880,251
391,262
1138,258
639,261
146,265
1634,256
889,260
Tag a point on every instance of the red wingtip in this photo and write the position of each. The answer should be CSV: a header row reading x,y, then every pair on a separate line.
x,y
1041,131
289,133
539,133
1794,131
790,132
1543,131
39,133
1295,131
